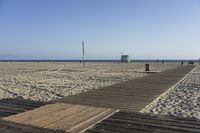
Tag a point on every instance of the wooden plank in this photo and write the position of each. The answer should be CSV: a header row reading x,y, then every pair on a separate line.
x,y
59,116
137,122
90,122
14,106
76,119
39,113
62,116
11,127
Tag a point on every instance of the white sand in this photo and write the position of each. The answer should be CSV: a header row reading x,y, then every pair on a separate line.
x,y
182,100
48,81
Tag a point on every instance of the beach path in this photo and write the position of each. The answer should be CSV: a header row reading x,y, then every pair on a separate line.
x,y
132,95
134,122
12,127
67,117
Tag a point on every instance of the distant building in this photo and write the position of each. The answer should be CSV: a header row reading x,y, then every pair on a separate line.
x,y
125,58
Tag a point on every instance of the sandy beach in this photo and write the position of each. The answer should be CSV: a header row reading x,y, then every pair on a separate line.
x,y
49,81
182,100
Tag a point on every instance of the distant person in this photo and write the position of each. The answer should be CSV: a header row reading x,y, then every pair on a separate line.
x,y
163,62
181,63
191,62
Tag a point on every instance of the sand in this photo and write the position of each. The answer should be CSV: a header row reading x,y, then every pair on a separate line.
x,y
49,81
182,100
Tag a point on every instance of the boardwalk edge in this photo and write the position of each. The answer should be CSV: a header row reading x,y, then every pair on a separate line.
x,y
154,102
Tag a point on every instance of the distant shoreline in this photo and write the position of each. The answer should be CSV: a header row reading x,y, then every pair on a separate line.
x,y
159,61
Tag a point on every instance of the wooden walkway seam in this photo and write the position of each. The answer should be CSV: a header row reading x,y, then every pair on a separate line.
x,y
98,121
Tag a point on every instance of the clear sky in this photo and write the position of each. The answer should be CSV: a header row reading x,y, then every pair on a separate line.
x,y
144,29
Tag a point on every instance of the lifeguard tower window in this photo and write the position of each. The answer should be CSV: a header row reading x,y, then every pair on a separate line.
x,y
125,58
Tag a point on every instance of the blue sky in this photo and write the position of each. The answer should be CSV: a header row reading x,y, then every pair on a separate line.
x,y
144,29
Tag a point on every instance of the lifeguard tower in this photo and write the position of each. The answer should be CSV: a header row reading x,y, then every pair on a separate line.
x,y
125,59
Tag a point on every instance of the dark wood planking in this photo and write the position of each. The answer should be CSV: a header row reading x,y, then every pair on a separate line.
x,y
11,127
67,117
190,121
132,122
132,95
14,106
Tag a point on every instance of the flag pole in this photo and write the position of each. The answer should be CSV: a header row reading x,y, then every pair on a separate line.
x,y
83,56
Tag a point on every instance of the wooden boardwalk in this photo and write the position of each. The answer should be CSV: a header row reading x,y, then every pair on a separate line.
x,y
130,122
14,106
66,117
132,95
11,127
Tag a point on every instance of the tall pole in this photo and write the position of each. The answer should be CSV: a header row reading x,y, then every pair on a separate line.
x,y
83,56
